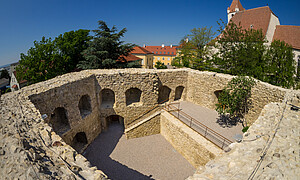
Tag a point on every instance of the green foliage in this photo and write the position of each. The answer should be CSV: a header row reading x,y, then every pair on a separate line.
x,y
280,65
48,58
235,98
4,74
70,45
105,48
243,52
42,62
194,53
160,65
245,129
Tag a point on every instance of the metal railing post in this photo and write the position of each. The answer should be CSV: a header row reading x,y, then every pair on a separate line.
x,y
223,144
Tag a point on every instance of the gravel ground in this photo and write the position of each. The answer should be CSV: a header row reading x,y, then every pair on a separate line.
x,y
151,157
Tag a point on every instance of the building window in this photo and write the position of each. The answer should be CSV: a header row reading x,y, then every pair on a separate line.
x,y
172,52
165,52
142,61
158,58
152,51
153,58
168,63
163,58
160,52
168,52
169,59
156,52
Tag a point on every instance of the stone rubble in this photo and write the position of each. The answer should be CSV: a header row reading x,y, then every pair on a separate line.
x,y
29,149
244,160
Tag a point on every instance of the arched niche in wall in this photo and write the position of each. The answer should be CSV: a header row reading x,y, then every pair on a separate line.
x,y
84,106
178,92
59,120
107,97
216,95
133,96
163,94
79,141
114,119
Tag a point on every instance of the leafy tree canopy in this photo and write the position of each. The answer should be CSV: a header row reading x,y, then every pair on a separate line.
x,y
234,99
280,65
160,65
48,58
244,52
4,74
193,53
105,48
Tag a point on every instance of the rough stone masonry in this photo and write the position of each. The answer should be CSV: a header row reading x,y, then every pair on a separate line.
x,y
76,107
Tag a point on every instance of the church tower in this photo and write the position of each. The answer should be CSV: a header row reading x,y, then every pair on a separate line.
x,y
235,7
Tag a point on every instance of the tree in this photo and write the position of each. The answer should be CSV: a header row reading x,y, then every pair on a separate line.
x,y
241,51
194,52
160,65
48,58
42,62
70,45
234,99
105,48
280,65
4,74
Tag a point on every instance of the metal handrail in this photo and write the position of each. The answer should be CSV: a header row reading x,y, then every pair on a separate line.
x,y
193,120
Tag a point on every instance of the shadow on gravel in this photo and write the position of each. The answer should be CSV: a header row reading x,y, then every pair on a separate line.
x,y
225,121
100,149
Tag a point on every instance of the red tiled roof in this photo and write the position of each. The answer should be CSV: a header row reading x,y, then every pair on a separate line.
x,y
140,50
235,4
165,51
128,58
288,34
258,18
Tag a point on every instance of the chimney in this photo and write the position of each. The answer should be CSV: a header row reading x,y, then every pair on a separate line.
x,y
162,45
144,45
186,40
171,46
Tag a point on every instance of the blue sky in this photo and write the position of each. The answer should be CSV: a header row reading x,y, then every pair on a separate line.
x,y
148,22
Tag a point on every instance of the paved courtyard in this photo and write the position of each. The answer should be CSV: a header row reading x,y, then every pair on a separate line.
x,y
150,157
209,118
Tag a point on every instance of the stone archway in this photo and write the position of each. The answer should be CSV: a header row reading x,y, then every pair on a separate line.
x,y
133,96
79,141
178,92
114,119
84,106
59,120
163,94
107,97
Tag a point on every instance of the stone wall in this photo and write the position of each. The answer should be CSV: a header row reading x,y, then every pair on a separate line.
x,y
203,85
22,111
191,145
151,126
269,149
68,96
